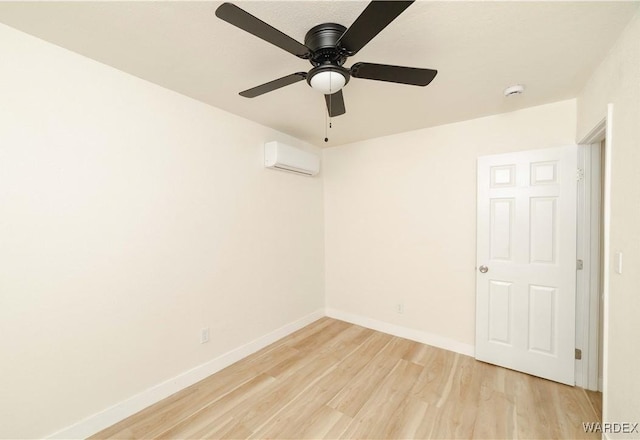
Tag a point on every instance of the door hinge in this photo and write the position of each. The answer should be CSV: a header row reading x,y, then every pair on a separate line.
x,y
579,264
578,354
579,174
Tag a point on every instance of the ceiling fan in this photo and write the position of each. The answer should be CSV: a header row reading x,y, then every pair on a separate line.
x,y
327,47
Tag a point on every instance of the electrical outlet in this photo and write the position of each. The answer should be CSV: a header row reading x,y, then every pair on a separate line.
x,y
400,308
204,335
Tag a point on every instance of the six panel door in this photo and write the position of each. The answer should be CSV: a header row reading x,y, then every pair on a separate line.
x,y
526,249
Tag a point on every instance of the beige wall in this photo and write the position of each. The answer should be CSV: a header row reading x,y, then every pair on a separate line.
x,y
131,217
617,81
400,217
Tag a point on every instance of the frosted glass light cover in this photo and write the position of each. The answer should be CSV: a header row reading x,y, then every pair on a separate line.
x,y
328,82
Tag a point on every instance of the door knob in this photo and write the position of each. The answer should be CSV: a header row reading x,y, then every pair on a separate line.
x,y
483,269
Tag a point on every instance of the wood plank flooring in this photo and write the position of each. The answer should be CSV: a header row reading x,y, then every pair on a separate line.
x,y
335,380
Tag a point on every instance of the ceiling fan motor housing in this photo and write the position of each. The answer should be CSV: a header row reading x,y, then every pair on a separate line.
x,y
325,56
322,40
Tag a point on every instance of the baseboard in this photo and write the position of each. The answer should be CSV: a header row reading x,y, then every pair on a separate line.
x,y
403,332
134,404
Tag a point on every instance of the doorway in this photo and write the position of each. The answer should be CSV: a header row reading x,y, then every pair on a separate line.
x,y
593,159
496,318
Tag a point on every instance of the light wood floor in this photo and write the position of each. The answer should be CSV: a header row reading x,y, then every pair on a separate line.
x,y
337,380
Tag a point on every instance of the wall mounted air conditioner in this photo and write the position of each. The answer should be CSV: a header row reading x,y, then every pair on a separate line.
x,y
285,157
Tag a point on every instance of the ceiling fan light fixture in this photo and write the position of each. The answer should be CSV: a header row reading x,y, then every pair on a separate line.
x,y
328,79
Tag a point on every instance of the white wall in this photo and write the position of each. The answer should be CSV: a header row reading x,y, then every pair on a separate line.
x,y
617,81
400,219
130,218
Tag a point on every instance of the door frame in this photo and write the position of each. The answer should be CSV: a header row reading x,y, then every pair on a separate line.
x,y
592,208
588,278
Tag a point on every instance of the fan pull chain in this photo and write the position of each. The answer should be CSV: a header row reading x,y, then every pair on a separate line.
x,y
326,138
330,95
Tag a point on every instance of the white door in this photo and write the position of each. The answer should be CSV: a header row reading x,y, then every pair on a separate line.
x,y
526,258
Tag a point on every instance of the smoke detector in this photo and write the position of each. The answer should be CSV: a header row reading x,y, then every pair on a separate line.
x,y
514,90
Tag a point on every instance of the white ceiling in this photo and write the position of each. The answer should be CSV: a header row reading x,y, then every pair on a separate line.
x,y
479,48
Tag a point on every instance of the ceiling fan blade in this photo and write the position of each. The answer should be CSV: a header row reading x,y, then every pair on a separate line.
x,y
247,22
396,74
335,104
274,85
376,16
